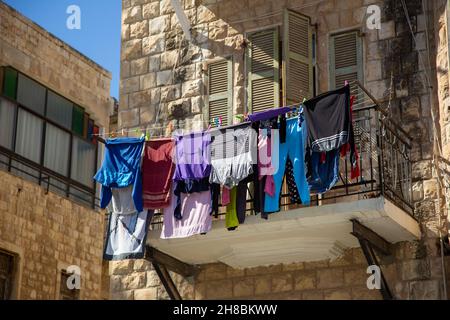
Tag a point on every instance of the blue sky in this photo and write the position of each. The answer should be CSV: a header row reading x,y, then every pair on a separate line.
x,y
99,36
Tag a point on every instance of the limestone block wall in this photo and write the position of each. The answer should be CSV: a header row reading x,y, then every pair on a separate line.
x,y
442,61
409,275
32,50
48,233
161,75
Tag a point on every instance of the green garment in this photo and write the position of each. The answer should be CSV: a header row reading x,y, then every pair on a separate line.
x,y
231,219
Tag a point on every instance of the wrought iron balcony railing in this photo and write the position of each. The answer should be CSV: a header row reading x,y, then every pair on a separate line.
x,y
384,159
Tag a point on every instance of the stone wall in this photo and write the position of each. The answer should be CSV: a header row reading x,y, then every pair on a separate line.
x,y
160,73
32,50
48,233
409,276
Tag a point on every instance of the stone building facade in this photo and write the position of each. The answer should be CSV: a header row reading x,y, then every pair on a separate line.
x,y
404,65
43,232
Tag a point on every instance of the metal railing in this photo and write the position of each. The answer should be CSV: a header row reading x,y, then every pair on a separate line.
x,y
384,150
48,179
384,160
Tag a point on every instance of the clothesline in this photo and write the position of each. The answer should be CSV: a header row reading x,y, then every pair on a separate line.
x,y
215,168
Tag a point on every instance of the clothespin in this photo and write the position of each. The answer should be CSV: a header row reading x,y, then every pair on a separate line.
x,y
123,132
147,135
216,121
345,83
220,121
240,117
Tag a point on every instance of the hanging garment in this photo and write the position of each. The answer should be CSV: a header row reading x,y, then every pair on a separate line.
x,y
215,194
328,119
350,147
260,193
325,171
121,168
294,196
127,228
233,153
122,201
231,218
193,156
241,200
157,173
268,142
266,139
268,114
196,217
127,235
188,186
294,149
226,198
258,202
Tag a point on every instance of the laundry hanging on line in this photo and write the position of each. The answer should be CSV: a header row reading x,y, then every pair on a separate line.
x,y
185,175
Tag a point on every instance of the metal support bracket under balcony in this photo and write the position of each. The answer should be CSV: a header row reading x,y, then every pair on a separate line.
x,y
369,241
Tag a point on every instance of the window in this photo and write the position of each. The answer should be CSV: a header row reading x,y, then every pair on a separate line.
x,y
7,115
83,161
345,58
59,109
266,88
52,135
56,153
6,275
29,136
10,83
64,292
31,94
220,91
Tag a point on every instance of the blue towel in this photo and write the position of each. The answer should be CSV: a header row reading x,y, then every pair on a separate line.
x,y
121,168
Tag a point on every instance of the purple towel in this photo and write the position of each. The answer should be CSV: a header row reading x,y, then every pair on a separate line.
x,y
193,156
268,114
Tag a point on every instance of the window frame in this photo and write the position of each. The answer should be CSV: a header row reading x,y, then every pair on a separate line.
x,y
45,174
10,276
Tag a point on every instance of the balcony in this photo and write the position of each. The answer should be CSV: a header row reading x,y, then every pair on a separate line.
x,y
380,200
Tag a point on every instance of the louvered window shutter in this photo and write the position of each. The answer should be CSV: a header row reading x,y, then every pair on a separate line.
x,y
298,58
263,74
220,91
345,59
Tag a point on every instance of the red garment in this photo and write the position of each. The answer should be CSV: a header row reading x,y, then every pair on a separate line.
x,y
346,148
226,197
157,173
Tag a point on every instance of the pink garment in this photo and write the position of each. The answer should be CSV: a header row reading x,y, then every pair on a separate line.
x,y
269,187
226,198
195,209
264,154
265,167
